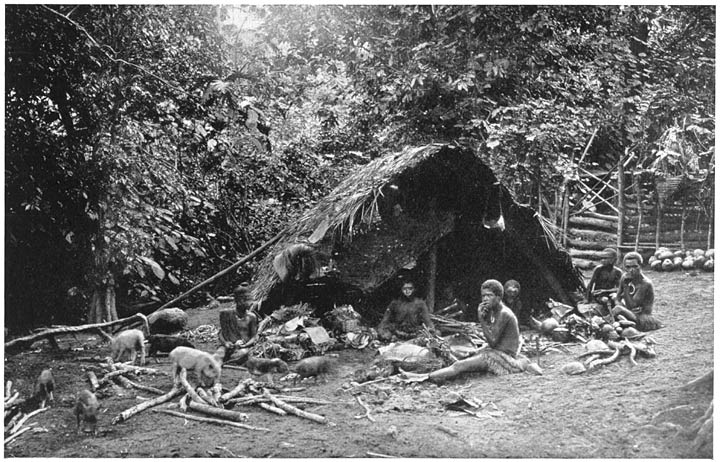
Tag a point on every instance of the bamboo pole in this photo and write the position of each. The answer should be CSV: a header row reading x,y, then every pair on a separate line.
x,y
566,212
222,273
636,183
621,200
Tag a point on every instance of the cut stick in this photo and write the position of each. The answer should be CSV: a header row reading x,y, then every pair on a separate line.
x,y
288,399
210,420
139,369
125,415
12,399
217,412
241,388
12,437
293,410
154,390
8,388
375,454
111,375
182,377
92,378
24,419
271,408
206,397
374,381
367,410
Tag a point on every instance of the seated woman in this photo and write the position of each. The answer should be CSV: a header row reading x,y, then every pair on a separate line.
x,y
405,316
500,328
636,295
239,325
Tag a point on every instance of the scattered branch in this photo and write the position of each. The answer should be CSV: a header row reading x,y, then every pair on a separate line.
x,y
210,420
125,415
367,410
293,410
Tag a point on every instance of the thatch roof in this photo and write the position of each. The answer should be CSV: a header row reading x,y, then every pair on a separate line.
x,y
392,210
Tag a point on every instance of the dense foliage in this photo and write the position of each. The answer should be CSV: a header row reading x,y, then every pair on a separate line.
x,y
148,147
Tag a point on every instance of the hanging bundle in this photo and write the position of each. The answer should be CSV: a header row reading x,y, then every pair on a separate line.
x,y
493,217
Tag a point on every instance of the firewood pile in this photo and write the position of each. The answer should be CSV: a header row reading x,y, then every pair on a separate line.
x,y
18,412
217,406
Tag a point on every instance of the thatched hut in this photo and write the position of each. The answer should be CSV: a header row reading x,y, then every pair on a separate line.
x,y
433,213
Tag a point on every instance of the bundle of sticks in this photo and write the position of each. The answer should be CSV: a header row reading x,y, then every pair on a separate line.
x,y
16,414
219,406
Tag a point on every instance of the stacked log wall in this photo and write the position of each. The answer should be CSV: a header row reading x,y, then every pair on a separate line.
x,y
589,233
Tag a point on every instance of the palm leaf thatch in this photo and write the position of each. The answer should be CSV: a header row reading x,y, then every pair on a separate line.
x,y
387,214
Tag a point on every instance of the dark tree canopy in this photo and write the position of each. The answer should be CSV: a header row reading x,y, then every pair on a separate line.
x,y
149,146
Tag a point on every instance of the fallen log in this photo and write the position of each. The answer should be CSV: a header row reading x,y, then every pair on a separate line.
x,y
17,426
217,412
24,342
126,414
293,410
12,437
271,408
12,399
210,420
92,378
239,389
182,377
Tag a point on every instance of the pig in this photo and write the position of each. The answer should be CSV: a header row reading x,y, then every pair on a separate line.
x,y
206,366
259,366
313,366
160,343
44,387
128,341
86,409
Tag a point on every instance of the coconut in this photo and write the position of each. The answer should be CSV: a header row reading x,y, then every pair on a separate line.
x,y
699,252
709,265
631,332
710,253
679,253
689,253
698,262
687,264
667,255
660,251
677,261
573,368
656,265
667,265
652,259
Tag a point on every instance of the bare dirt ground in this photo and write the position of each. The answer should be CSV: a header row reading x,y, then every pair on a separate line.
x,y
618,411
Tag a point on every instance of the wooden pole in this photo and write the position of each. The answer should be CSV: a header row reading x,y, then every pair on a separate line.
x,y
222,273
658,224
566,212
710,223
431,277
636,184
621,201
683,217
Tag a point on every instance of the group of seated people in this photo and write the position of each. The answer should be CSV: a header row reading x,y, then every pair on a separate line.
x,y
630,294
497,315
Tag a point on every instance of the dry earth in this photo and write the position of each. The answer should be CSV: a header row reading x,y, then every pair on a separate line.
x,y
619,411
